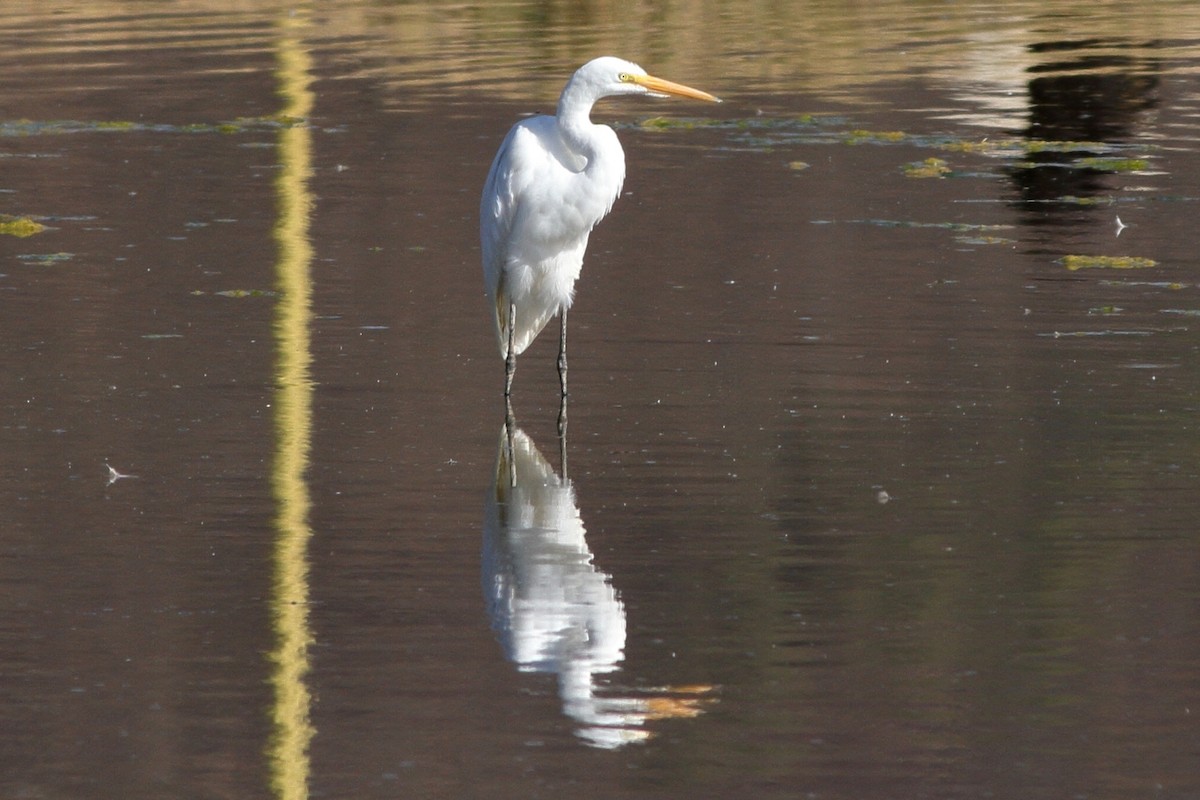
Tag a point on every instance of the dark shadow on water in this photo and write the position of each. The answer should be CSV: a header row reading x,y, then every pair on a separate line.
x,y
553,610
1090,95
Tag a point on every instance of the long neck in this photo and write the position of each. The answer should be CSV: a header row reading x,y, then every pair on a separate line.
x,y
574,108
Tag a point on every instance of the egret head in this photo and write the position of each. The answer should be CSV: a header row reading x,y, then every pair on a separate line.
x,y
607,75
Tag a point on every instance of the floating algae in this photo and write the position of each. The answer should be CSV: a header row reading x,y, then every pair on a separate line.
x,y
1106,262
929,168
860,136
1114,164
21,227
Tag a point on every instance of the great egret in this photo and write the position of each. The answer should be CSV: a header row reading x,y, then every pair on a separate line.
x,y
552,180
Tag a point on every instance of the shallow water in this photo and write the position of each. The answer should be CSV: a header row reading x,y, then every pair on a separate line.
x,y
881,463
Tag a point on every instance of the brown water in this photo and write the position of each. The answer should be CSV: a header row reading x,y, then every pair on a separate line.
x,y
883,471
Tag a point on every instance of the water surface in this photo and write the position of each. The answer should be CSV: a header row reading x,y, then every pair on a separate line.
x,y
881,475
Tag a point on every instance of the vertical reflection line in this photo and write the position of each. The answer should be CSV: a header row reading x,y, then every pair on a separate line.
x,y
291,729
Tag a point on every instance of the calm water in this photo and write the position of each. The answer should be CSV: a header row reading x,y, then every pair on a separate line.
x,y
882,469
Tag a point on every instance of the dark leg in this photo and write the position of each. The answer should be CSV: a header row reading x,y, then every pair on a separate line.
x,y
509,424
562,430
562,354
509,420
562,380
510,358
562,439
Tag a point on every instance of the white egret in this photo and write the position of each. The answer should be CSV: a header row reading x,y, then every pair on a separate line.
x,y
552,180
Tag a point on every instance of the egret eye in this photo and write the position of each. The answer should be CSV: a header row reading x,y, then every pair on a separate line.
x,y
624,77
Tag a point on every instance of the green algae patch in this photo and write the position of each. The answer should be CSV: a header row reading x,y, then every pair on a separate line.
x,y
21,227
1002,146
1075,200
1065,146
1113,164
929,168
859,136
1106,262
676,123
761,123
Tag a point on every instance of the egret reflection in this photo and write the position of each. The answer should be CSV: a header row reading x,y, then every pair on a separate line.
x,y
553,610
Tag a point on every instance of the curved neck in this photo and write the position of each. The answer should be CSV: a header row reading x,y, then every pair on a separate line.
x,y
574,121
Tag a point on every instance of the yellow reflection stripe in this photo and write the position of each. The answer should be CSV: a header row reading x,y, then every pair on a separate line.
x,y
292,730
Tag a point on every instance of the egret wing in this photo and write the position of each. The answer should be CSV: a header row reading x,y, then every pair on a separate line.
x,y
523,156
497,210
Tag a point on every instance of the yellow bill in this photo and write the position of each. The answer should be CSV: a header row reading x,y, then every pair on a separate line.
x,y
663,88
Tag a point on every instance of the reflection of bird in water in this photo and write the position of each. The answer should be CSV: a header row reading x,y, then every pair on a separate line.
x,y
552,609
552,180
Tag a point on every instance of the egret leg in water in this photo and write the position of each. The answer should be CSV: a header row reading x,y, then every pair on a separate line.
x,y
510,357
562,399
562,436
553,179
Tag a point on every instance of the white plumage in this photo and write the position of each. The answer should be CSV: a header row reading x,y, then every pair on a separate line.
x,y
552,180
